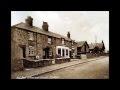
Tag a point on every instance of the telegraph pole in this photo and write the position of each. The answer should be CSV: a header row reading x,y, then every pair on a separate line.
x,y
95,38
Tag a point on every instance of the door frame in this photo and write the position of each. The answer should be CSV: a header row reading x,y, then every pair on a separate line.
x,y
46,52
23,47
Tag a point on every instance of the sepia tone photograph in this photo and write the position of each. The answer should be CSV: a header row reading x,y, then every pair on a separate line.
x,y
59,44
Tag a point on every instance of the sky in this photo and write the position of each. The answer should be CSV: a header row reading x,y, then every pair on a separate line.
x,y
90,26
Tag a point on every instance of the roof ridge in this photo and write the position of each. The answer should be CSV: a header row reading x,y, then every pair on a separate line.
x,y
17,24
40,30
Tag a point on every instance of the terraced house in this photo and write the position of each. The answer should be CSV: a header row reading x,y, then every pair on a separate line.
x,y
31,43
34,46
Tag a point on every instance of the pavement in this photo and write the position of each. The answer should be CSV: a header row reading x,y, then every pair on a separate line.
x,y
33,72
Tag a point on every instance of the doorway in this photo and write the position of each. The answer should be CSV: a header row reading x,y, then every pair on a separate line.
x,y
23,51
46,53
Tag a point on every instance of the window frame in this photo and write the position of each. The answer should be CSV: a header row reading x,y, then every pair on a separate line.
x,y
66,52
49,40
31,51
63,52
31,36
59,53
63,41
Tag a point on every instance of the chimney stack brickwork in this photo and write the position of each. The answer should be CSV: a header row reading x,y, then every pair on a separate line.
x,y
45,26
68,34
29,21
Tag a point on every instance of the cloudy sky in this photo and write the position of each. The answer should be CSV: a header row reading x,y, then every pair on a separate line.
x,y
83,25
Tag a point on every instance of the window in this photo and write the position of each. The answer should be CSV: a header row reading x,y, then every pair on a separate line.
x,y
63,41
43,52
63,53
30,35
31,50
50,53
78,50
49,40
59,51
66,52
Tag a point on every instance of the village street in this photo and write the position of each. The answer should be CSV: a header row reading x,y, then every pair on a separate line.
x,y
94,68
97,69
66,45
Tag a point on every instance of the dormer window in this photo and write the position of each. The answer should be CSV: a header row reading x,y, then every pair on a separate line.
x,y
30,36
49,40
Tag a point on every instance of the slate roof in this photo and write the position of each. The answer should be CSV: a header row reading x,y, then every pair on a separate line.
x,y
39,30
100,45
93,45
81,43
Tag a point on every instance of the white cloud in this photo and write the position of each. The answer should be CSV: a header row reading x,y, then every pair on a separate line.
x,y
83,25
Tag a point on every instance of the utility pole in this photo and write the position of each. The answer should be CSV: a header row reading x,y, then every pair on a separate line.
x,y
95,38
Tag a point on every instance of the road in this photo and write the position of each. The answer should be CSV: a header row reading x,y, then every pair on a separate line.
x,y
97,69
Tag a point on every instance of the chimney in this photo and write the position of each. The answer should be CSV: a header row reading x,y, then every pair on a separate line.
x,y
102,42
68,34
29,21
45,26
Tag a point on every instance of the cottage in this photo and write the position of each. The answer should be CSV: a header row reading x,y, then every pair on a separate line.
x,y
31,43
97,48
81,48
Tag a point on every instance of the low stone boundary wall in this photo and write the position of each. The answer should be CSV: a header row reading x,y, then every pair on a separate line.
x,y
62,60
43,62
90,55
36,63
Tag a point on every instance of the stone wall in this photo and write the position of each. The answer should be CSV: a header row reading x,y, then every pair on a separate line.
x,y
58,42
18,37
21,38
68,44
39,49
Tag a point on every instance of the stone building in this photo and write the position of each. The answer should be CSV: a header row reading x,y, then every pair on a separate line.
x,y
97,47
81,48
30,42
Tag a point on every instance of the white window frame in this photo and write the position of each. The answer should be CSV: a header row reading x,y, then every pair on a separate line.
x,y
31,51
63,47
30,35
66,52
58,51
49,40
63,41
